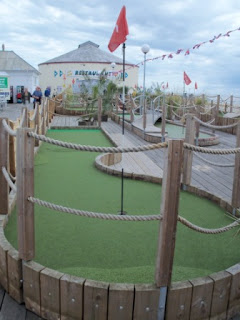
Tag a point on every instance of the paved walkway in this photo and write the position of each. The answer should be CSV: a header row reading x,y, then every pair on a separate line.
x,y
13,110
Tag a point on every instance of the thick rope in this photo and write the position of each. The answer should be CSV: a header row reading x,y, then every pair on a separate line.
x,y
9,130
9,181
215,127
211,151
208,231
97,149
90,214
213,163
115,217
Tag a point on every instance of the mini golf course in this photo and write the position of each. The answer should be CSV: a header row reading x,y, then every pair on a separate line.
x,y
115,251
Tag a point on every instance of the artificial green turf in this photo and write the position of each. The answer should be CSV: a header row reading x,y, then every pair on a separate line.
x,y
115,251
174,131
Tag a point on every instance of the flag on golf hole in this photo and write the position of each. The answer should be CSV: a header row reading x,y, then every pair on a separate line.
x,y
120,31
196,85
186,78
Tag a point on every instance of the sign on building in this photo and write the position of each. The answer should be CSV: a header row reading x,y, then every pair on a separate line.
x,y
4,86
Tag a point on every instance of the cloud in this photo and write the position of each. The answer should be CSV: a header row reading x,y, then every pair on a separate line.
x,y
41,31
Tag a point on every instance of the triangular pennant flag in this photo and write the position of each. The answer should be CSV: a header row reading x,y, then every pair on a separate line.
x,y
120,31
186,78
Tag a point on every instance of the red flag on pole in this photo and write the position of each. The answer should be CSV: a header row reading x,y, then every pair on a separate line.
x,y
196,85
167,85
186,78
120,31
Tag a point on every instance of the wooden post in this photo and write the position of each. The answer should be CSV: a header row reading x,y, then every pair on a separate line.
x,y
47,113
37,123
213,112
236,175
188,155
171,109
25,120
12,151
131,109
163,120
169,211
25,189
4,162
198,115
99,111
231,103
217,109
203,101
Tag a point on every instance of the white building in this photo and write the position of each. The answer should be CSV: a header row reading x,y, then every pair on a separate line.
x,y
21,74
87,61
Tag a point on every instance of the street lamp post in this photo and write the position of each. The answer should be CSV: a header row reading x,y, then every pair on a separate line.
x,y
113,65
145,49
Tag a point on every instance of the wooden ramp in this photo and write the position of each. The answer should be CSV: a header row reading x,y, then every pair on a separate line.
x,y
150,127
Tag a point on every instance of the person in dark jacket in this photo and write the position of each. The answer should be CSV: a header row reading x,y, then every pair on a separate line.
x,y
47,92
26,95
37,95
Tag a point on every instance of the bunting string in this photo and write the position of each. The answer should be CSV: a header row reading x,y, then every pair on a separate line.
x,y
185,51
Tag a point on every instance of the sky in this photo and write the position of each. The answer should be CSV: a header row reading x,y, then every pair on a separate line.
x,y
41,30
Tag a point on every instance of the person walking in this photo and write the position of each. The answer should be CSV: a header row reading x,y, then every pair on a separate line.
x,y
47,92
37,95
26,95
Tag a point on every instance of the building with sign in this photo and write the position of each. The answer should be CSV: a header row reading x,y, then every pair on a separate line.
x,y
20,73
85,62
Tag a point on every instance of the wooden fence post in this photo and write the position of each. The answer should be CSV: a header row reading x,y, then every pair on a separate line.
x,y
25,115
163,129
25,189
12,151
169,210
198,115
231,103
99,111
4,162
188,155
37,123
236,175
217,109
131,109
213,113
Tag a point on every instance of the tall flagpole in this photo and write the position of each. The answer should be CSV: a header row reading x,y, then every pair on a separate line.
x,y
122,212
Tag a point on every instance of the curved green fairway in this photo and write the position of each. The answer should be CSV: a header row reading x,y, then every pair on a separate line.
x,y
110,250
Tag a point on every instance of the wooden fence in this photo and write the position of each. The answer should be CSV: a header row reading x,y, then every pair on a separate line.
x,y
54,295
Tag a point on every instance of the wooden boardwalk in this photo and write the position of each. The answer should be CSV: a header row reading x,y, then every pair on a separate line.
x,y
214,179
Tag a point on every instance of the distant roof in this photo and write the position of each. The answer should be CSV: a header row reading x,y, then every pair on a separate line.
x,y
86,52
10,61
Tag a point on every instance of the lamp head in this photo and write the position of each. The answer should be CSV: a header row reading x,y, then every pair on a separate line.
x,y
145,48
113,65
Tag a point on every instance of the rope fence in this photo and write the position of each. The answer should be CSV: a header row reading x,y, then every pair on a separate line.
x,y
97,149
9,130
106,216
215,127
8,179
214,163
